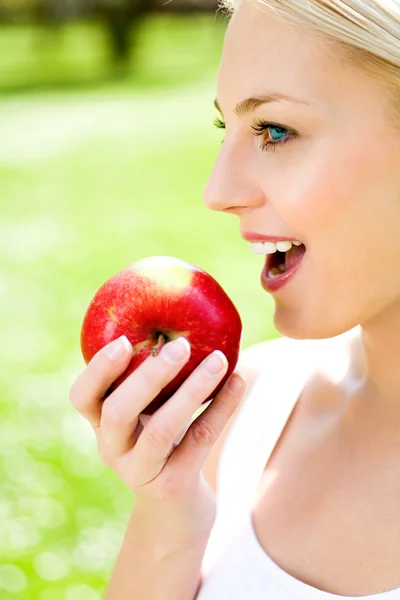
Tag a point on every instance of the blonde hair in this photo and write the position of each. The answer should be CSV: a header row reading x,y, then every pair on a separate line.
x,y
364,32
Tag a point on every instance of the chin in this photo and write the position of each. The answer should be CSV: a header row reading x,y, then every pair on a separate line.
x,y
307,327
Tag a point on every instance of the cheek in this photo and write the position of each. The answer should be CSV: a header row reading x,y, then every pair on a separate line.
x,y
349,196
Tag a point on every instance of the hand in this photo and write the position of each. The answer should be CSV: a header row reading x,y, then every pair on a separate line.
x,y
159,457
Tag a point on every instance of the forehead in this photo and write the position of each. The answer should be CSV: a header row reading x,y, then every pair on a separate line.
x,y
262,53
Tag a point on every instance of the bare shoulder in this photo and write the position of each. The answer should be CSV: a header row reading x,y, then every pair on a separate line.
x,y
251,362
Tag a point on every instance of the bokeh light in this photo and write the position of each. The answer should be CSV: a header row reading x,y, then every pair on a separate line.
x,y
12,579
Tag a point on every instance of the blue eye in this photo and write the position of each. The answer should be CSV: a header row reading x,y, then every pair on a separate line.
x,y
279,135
278,131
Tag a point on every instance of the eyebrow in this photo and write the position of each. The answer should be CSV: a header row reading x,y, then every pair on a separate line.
x,y
250,104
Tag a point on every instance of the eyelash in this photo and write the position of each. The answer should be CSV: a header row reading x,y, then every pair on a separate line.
x,y
259,127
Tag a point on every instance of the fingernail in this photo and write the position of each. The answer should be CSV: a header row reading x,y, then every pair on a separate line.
x,y
236,384
174,352
215,363
118,348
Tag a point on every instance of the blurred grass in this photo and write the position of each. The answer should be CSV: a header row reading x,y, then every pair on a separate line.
x,y
92,178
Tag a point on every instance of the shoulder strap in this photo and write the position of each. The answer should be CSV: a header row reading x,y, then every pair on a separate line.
x,y
258,426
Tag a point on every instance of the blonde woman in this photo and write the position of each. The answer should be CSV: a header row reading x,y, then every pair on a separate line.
x,y
291,488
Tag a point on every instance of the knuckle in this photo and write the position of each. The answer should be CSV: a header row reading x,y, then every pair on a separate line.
x,y
196,384
159,434
113,415
101,366
148,378
196,387
204,432
104,454
75,395
107,456
155,375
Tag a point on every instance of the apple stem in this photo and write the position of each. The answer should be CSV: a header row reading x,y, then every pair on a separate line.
x,y
160,343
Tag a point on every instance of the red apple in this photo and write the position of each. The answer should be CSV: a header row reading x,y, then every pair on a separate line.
x,y
154,301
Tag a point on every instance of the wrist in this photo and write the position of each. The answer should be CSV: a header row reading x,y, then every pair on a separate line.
x,y
168,530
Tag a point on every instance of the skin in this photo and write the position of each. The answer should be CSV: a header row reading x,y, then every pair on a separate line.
x,y
335,187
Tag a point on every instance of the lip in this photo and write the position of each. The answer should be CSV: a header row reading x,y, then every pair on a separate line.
x,y
253,236
272,285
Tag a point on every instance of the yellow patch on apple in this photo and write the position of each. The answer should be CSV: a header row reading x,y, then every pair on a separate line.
x,y
112,315
172,277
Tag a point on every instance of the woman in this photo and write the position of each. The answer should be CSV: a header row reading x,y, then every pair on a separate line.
x,y
308,468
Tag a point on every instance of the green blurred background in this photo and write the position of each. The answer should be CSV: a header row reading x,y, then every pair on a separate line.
x,y
106,144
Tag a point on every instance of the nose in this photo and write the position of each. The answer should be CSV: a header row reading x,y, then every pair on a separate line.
x,y
232,187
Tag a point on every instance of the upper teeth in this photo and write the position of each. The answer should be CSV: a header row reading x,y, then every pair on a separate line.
x,y
272,247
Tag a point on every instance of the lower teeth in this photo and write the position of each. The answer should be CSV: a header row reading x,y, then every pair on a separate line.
x,y
276,271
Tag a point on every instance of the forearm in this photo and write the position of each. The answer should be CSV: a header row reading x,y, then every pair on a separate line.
x,y
151,566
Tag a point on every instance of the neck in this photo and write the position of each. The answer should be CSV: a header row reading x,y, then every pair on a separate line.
x,y
375,359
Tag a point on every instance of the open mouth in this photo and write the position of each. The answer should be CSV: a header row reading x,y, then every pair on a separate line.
x,y
283,262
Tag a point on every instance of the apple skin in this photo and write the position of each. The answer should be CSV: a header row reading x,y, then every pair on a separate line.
x,y
157,300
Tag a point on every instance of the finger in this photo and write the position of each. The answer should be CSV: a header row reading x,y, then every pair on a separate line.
x,y
144,419
92,383
206,429
165,426
121,410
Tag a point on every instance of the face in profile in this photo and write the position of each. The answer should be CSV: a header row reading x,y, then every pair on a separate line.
x,y
320,166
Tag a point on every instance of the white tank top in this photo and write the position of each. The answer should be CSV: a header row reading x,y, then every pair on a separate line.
x,y
235,566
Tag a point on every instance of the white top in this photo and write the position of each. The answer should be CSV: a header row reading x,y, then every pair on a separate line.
x,y
235,566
